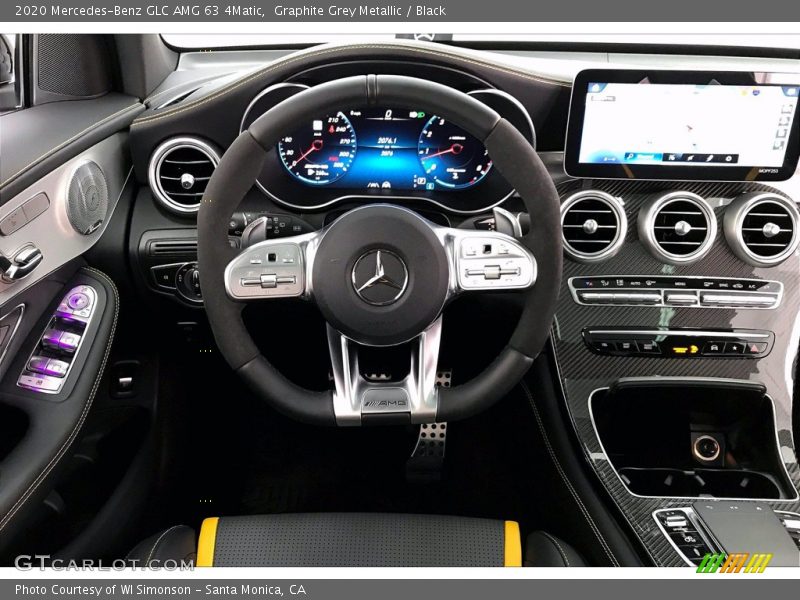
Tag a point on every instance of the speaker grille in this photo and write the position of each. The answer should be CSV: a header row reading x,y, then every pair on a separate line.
x,y
73,64
87,198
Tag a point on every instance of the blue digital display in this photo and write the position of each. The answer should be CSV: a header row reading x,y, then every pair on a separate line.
x,y
384,149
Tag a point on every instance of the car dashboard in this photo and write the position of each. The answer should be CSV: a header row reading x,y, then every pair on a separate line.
x,y
670,283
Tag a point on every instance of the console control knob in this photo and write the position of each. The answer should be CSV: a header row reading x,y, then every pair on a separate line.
x,y
78,301
187,283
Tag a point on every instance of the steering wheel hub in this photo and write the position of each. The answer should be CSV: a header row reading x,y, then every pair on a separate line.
x,y
381,275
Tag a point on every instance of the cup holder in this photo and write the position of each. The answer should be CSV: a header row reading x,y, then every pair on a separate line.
x,y
691,438
699,483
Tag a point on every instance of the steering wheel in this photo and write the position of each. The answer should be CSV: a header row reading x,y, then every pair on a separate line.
x,y
381,274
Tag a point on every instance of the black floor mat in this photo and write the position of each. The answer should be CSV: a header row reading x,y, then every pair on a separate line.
x,y
243,458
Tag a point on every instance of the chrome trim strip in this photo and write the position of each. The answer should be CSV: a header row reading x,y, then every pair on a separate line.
x,y
681,332
778,295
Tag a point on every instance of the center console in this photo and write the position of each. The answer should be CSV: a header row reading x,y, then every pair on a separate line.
x,y
677,328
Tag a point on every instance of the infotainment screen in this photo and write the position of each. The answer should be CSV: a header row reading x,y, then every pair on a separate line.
x,y
682,125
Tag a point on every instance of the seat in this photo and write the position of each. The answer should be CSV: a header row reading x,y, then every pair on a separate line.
x,y
353,540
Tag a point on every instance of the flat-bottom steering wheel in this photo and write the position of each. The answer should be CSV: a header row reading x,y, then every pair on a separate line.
x,y
380,274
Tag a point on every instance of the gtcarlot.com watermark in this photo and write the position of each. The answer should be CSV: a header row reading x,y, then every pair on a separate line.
x,y
41,562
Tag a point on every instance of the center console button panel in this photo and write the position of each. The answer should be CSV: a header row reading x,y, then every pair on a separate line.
x,y
685,532
679,343
690,292
52,358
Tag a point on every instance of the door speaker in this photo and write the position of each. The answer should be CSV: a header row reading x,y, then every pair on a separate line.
x,y
87,198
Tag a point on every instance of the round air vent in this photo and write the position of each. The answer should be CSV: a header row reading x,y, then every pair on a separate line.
x,y
593,226
179,172
678,227
761,228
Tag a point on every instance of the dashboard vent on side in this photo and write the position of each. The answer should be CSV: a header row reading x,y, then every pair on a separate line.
x,y
761,228
593,226
179,172
172,247
677,228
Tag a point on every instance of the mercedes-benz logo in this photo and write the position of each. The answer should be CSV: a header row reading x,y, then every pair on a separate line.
x,y
380,277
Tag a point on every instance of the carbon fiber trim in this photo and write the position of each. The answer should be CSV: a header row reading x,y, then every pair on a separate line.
x,y
581,371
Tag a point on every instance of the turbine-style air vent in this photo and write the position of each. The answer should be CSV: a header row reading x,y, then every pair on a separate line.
x,y
179,172
761,228
678,227
593,225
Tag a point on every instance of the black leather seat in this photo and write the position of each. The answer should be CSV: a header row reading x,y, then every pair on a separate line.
x,y
354,540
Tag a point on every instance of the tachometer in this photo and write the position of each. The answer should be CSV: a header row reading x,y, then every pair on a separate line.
x,y
321,153
450,156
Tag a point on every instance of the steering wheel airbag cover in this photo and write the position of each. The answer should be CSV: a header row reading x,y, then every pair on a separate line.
x,y
390,229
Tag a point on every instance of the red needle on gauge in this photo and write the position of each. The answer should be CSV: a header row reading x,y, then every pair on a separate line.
x,y
454,149
316,145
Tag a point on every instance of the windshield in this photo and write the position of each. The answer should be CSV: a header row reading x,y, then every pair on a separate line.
x,y
778,40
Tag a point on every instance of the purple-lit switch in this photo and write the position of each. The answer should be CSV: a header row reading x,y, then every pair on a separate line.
x,y
51,338
48,366
78,301
68,342
61,340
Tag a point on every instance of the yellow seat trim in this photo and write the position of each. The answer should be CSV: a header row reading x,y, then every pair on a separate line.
x,y
513,545
205,545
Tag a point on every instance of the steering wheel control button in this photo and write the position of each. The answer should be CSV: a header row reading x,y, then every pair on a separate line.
x,y
268,269
493,263
684,292
380,277
678,343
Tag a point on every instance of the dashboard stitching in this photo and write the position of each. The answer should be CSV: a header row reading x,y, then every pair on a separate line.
x,y
76,429
289,61
565,479
65,143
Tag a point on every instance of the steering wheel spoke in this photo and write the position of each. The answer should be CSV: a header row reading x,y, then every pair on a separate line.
x,y
272,269
486,261
412,399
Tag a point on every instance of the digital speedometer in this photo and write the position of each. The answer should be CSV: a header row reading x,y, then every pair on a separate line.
x,y
321,152
450,156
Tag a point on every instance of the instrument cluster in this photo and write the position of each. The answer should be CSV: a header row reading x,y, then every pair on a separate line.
x,y
383,153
